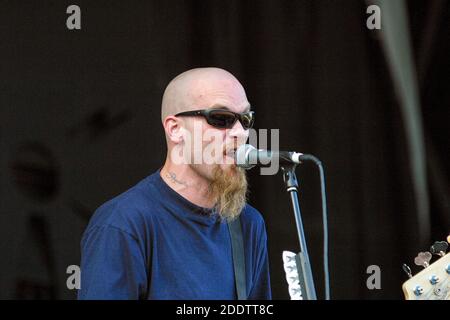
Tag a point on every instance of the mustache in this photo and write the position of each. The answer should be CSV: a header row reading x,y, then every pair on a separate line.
x,y
230,149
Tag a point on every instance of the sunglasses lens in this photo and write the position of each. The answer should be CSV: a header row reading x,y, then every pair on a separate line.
x,y
247,120
221,119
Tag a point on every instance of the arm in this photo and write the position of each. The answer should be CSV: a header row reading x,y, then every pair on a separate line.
x,y
261,289
112,265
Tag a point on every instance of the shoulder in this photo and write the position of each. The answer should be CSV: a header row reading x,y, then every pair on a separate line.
x,y
128,211
252,220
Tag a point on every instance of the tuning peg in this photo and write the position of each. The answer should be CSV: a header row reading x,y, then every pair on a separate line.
x,y
439,248
423,259
407,270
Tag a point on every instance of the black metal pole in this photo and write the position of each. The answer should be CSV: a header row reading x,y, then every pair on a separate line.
x,y
305,273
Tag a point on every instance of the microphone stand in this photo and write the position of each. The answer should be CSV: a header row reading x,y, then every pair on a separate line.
x,y
303,265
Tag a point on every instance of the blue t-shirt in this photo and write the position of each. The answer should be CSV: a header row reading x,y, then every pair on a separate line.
x,y
151,243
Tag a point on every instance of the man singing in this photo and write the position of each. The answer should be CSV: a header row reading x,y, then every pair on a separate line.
x,y
168,236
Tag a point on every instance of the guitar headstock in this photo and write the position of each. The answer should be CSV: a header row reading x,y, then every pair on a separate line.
x,y
433,282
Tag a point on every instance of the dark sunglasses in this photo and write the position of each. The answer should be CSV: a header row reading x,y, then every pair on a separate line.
x,y
223,119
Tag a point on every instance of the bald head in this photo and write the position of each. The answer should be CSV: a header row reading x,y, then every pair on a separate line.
x,y
202,88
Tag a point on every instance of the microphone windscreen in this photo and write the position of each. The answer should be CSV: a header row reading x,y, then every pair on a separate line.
x,y
242,156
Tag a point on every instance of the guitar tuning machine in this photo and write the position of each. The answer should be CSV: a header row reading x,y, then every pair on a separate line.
x,y
423,259
418,290
439,248
407,270
434,279
447,269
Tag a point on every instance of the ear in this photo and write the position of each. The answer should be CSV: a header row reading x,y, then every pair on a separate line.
x,y
173,129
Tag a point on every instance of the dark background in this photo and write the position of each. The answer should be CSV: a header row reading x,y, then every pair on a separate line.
x,y
80,123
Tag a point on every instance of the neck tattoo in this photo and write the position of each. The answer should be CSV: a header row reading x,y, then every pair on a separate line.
x,y
173,177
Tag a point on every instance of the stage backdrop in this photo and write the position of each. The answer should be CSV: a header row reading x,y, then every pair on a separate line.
x,y
80,123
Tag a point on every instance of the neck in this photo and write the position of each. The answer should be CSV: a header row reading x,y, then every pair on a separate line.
x,y
189,184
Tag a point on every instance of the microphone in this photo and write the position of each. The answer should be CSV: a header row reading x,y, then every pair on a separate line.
x,y
247,156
